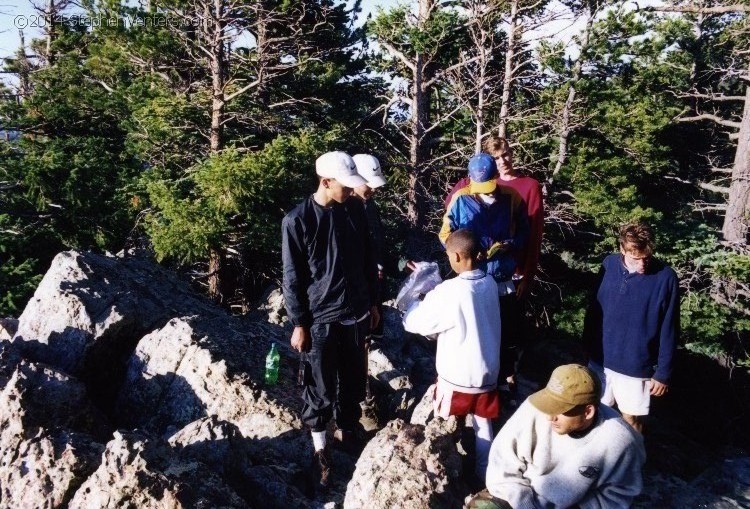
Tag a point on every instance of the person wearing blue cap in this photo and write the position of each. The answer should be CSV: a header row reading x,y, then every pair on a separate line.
x,y
497,216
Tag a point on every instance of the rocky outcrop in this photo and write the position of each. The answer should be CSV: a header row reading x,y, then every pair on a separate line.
x,y
198,366
409,466
141,471
90,311
8,328
120,343
44,471
47,430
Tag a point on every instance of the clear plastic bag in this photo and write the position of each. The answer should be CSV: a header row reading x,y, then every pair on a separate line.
x,y
425,277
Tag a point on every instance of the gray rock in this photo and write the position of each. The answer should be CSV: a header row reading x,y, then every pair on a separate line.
x,y
272,305
44,471
195,367
424,411
38,397
274,482
89,312
409,466
142,471
8,328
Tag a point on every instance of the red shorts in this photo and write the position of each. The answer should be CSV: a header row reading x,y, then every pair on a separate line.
x,y
448,402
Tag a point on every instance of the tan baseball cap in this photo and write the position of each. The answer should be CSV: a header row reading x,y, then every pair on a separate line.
x,y
569,386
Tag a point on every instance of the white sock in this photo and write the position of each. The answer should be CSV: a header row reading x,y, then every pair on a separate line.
x,y
483,433
319,440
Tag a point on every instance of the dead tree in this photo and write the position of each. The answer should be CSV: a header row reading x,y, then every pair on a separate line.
x,y
736,225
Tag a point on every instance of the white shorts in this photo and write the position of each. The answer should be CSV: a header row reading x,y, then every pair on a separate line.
x,y
632,395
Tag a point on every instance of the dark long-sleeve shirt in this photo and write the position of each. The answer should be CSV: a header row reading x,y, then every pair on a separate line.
x,y
632,323
376,231
329,272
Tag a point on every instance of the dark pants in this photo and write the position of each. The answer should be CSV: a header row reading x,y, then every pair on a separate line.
x,y
335,375
511,334
377,332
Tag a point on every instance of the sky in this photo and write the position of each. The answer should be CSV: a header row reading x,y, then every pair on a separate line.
x,y
15,14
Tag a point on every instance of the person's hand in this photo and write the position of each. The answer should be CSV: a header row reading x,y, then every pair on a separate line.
x,y
658,388
301,339
374,317
411,265
523,288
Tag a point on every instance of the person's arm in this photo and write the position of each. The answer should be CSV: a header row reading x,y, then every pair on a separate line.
x,y
431,315
509,454
592,321
450,220
376,231
535,208
668,334
459,185
621,482
296,274
520,232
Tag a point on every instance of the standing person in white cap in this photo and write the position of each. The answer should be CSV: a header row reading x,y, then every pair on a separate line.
x,y
330,289
368,167
563,449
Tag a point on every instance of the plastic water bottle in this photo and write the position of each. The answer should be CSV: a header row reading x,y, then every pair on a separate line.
x,y
272,365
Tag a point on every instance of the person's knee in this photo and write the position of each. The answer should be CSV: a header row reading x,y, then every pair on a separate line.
x,y
636,421
484,500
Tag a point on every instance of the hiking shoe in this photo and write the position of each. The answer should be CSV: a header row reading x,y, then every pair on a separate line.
x,y
321,467
348,441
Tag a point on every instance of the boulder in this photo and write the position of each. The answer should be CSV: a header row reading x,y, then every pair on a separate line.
x,y
8,328
46,424
409,466
44,471
272,305
39,397
142,471
90,310
196,367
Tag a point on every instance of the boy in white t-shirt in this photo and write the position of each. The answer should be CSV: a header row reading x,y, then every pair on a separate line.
x,y
465,315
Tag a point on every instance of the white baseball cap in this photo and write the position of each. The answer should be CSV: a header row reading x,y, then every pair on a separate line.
x,y
340,166
368,167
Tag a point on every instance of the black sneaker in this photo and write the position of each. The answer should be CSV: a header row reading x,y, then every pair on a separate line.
x,y
348,442
321,467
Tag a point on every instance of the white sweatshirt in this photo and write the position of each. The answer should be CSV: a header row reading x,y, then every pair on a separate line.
x,y
464,312
532,467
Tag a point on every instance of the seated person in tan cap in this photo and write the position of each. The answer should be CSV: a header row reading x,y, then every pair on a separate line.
x,y
564,449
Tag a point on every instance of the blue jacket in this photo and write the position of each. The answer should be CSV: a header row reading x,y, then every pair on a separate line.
x,y
504,221
632,323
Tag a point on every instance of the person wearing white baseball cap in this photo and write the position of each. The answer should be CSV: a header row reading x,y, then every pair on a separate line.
x,y
368,167
330,289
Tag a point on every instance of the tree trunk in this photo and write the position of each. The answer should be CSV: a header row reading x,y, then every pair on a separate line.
x,y
217,65
565,129
736,227
416,213
510,57
480,101
50,20
215,266
215,32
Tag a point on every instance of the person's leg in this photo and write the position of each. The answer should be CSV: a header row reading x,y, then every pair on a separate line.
x,y
485,500
483,433
510,336
636,421
633,398
319,386
318,396
352,374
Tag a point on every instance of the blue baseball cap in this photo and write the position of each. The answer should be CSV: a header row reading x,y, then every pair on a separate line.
x,y
482,173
